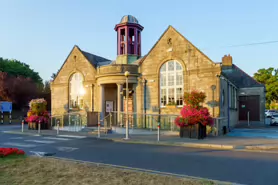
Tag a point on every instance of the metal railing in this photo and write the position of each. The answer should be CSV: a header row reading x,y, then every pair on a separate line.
x,y
69,122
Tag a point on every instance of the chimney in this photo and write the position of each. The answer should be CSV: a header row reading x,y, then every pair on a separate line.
x,y
227,60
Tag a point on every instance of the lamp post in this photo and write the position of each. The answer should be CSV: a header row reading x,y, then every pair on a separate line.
x,y
127,129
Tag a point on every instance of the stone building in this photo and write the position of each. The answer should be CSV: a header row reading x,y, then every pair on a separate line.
x,y
157,80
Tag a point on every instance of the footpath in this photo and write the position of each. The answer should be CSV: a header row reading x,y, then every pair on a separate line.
x,y
220,142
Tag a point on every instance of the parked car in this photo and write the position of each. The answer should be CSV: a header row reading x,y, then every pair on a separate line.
x,y
269,113
274,119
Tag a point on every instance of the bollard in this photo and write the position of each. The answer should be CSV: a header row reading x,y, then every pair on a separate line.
x,y
2,118
158,131
39,127
10,117
248,119
58,127
98,130
22,125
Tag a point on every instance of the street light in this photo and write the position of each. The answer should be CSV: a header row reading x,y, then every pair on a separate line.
x,y
127,129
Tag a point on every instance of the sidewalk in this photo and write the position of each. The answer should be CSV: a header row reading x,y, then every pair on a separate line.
x,y
221,142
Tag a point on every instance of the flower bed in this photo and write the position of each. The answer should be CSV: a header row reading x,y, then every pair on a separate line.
x,y
4,152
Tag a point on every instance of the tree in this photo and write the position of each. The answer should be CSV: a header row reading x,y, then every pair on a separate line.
x,y
16,68
269,77
19,90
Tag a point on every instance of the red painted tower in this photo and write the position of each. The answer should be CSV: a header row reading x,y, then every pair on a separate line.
x,y
128,40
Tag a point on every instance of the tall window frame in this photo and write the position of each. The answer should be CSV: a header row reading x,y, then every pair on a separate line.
x,y
76,91
171,84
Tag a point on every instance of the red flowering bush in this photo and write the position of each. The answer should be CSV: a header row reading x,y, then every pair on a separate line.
x,y
194,98
192,113
4,152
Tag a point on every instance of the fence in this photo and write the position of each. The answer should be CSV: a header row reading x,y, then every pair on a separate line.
x,y
70,121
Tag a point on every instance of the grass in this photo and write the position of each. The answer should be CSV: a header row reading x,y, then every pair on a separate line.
x,y
34,170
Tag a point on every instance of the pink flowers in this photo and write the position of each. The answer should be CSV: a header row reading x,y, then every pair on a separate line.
x,y
192,113
4,152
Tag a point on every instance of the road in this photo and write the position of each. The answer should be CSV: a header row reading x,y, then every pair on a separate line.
x,y
234,166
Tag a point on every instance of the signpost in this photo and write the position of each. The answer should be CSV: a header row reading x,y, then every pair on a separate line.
x,y
6,107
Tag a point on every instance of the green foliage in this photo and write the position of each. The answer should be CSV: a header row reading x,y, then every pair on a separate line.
x,y
194,98
16,68
269,77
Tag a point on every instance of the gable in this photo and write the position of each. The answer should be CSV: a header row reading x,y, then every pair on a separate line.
x,y
174,46
79,61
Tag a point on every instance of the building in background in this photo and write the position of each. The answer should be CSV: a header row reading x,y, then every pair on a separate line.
x,y
158,80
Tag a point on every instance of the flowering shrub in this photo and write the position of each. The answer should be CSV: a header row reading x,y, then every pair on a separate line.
x,y
194,98
4,152
37,112
192,113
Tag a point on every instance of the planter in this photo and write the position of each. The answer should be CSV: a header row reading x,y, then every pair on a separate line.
x,y
197,131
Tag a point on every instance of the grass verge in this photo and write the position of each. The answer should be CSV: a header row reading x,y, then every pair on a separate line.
x,y
34,170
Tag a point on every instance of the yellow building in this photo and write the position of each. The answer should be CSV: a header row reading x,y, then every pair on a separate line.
x,y
157,80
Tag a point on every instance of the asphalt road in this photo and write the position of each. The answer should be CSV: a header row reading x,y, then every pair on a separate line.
x,y
234,166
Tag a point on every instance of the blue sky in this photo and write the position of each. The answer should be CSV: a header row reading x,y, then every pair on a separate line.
x,y
42,33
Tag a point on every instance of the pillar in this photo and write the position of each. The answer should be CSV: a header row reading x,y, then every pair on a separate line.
x,y
101,101
119,103
134,106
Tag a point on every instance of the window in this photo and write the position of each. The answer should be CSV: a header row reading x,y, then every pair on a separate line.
x,y
76,91
171,84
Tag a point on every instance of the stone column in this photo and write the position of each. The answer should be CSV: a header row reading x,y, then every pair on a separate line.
x,y
101,101
119,103
134,105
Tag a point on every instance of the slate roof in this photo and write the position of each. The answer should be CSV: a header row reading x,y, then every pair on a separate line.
x,y
96,60
239,78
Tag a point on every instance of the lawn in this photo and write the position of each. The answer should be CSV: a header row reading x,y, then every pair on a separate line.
x,y
34,170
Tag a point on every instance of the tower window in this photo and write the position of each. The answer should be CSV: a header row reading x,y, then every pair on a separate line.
x,y
131,36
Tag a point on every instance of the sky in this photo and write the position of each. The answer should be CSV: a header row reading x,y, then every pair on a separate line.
x,y
42,33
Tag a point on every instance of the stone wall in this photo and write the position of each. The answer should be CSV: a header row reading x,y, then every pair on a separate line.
x,y
200,73
76,62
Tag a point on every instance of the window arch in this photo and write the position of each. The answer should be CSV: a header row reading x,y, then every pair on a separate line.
x,y
76,91
171,84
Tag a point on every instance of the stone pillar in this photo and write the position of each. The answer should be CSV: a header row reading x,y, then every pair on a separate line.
x,y
119,103
101,101
134,105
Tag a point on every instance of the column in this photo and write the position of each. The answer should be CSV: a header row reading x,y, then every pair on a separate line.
x,y
119,104
101,101
134,106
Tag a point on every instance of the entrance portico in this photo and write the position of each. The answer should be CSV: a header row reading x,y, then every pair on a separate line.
x,y
112,84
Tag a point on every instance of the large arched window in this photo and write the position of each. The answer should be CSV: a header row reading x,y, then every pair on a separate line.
x,y
76,91
171,84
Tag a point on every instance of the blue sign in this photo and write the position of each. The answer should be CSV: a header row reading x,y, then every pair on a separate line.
x,y
6,106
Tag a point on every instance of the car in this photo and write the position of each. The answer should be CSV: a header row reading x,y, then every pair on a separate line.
x,y
269,113
274,119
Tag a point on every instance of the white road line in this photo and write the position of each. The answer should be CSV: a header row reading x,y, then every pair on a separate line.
x,y
40,141
66,149
19,145
16,138
57,138
72,136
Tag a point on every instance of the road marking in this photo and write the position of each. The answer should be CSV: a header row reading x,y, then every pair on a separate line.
x,y
66,149
20,145
16,138
57,138
72,136
42,154
40,141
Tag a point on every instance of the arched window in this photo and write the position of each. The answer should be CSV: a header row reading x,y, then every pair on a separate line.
x,y
76,91
171,84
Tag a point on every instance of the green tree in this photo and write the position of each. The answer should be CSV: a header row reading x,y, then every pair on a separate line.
x,y
269,77
16,68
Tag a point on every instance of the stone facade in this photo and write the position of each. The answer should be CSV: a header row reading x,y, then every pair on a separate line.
x,y
200,73
104,80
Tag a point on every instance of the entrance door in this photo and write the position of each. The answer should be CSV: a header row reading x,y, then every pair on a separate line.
x,y
249,104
